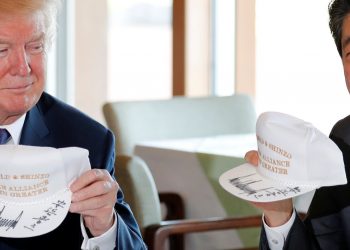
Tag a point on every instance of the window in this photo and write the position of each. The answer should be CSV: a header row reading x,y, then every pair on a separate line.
x,y
60,65
140,49
223,46
298,67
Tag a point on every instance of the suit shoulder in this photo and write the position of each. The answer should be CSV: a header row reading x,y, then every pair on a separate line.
x,y
342,130
67,121
65,115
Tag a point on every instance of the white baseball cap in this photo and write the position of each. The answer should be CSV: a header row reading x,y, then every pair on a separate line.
x,y
34,187
294,158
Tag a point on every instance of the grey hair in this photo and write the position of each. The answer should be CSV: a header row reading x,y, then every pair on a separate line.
x,y
50,12
48,8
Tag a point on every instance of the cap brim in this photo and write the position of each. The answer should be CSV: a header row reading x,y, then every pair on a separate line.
x,y
245,182
28,219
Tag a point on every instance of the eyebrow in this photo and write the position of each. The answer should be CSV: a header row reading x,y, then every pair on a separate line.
x,y
3,41
36,37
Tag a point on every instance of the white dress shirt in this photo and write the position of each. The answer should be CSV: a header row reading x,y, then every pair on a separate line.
x,y
276,236
105,241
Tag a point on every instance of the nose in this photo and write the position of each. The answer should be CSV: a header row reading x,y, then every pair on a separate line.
x,y
20,63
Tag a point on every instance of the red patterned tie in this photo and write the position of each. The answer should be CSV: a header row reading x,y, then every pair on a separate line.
x,y
4,136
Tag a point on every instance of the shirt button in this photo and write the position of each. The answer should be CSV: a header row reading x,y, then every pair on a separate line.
x,y
274,241
96,248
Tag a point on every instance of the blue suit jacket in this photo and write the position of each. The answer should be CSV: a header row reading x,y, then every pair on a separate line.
x,y
55,124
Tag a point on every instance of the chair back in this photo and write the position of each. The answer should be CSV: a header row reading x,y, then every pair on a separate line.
x,y
177,118
137,183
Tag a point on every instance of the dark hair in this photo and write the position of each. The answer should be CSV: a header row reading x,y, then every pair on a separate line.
x,y
338,10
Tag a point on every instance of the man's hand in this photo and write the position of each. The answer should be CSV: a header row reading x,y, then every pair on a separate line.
x,y
276,213
94,196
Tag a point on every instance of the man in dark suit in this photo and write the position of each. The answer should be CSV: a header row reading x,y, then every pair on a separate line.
x,y
98,218
327,225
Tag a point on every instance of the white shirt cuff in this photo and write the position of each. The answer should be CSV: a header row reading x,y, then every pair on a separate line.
x,y
105,241
276,236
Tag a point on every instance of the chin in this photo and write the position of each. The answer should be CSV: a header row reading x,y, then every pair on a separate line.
x,y
20,109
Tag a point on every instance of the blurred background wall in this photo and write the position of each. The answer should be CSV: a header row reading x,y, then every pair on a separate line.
x,y
279,52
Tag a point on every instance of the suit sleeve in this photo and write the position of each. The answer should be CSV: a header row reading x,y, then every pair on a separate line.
x,y
299,238
128,233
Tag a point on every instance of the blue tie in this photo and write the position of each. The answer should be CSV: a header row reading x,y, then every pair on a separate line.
x,y
4,136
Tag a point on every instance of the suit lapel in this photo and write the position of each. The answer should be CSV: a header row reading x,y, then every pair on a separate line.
x,y
35,131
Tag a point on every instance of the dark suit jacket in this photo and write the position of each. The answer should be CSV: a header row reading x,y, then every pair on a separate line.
x,y
328,222
55,124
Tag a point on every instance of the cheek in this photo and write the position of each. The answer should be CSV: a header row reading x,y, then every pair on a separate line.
x,y
38,71
346,66
4,67
38,67
347,80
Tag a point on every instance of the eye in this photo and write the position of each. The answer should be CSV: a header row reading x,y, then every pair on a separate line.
x,y
345,56
3,52
35,48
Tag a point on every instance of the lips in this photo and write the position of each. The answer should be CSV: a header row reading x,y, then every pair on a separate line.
x,y
20,86
17,83
17,87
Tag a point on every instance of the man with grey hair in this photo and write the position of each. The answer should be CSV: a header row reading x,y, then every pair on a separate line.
x,y
98,218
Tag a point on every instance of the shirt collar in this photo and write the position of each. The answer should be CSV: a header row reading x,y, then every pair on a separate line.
x,y
15,129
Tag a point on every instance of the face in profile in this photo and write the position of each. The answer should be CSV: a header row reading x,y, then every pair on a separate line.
x,y
22,64
346,49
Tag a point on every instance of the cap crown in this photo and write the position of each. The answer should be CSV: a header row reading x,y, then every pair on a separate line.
x,y
293,152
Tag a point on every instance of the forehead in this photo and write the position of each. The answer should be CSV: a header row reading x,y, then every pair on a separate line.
x,y
21,25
